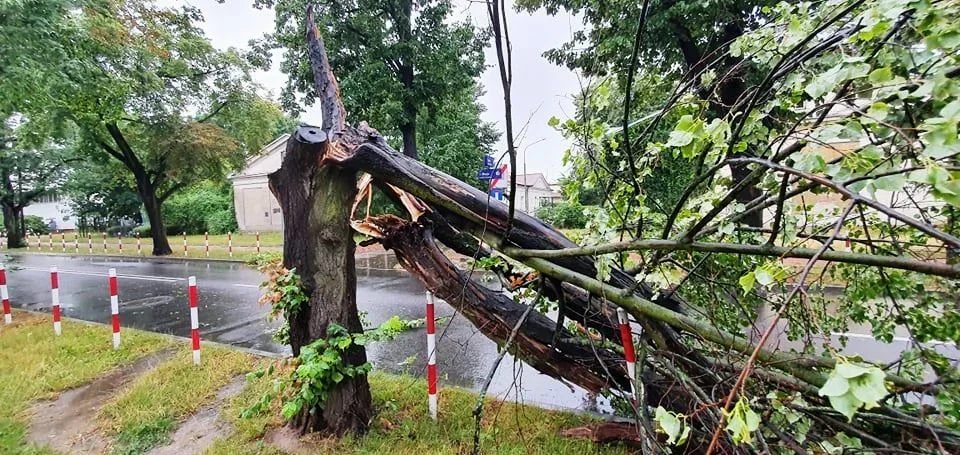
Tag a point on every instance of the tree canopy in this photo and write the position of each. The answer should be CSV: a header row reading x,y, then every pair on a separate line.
x,y
144,86
397,60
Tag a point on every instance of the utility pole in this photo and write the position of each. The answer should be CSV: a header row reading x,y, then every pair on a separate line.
x,y
526,188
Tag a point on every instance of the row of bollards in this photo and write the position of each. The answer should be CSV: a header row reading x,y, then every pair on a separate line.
x,y
112,283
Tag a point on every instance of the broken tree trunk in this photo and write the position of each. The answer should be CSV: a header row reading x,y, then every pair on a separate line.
x,y
318,242
593,368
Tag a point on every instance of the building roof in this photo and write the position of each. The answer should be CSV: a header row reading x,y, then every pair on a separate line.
x,y
264,162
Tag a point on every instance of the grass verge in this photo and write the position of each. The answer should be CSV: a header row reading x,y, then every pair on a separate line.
x,y
401,425
35,365
143,415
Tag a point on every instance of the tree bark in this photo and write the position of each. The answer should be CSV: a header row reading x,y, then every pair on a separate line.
x,y
409,132
318,243
11,224
152,205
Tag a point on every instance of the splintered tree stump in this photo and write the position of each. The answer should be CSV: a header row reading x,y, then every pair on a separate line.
x,y
318,243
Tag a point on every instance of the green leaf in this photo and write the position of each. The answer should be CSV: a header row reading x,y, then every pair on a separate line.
x,y
880,75
810,162
890,182
742,422
835,386
553,122
849,370
846,404
747,281
669,424
763,276
290,409
679,138
870,388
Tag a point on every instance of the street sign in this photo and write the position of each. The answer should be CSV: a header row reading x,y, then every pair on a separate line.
x,y
489,174
496,193
488,161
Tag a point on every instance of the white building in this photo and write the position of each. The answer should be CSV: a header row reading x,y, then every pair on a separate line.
x,y
533,191
256,208
54,210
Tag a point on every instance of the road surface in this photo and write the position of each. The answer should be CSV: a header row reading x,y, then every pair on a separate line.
x,y
153,297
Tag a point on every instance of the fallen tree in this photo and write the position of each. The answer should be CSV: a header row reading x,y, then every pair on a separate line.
x,y
703,375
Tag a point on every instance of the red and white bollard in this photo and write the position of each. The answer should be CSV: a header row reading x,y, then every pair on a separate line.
x,y
63,241
120,242
139,246
629,354
230,243
50,240
206,244
104,243
55,298
90,242
194,319
114,308
184,244
7,317
39,248
258,243
76,242
431,358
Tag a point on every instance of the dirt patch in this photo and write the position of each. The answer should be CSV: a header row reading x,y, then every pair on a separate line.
x,y
289,441
205,426
69,423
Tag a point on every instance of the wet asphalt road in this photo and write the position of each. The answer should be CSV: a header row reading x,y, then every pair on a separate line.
x,y
153,297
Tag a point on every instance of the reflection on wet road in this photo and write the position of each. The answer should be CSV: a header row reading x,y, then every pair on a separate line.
x,y
153,297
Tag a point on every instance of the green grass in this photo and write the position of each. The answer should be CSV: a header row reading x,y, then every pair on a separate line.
x,y
36,365
401,425
149,409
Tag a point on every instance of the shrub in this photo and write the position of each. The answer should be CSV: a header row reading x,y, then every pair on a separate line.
x,y
143,230
563,215
190,210
35,224
222,222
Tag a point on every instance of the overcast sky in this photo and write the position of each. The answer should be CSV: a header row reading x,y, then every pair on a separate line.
x,y
540,89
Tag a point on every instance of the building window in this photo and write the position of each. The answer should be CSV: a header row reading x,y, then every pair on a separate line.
x,y
49,197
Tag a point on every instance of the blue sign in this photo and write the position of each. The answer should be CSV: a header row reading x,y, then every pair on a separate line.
x,y
488,161
489,174
496,193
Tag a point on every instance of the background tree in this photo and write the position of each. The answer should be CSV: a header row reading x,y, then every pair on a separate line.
x,y
453,138
101,193
26,174
674,40
396,60
146,88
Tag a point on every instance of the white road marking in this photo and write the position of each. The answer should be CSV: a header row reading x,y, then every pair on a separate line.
x,y
257,286
128,276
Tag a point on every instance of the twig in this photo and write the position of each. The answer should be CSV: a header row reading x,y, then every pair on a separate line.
x,y
478,409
